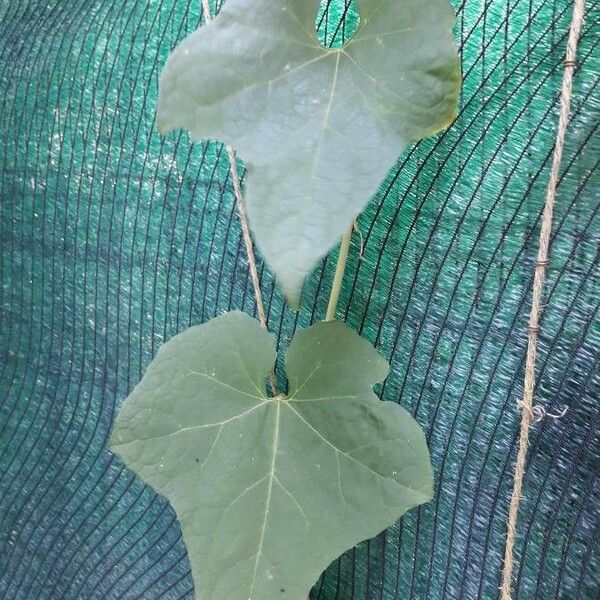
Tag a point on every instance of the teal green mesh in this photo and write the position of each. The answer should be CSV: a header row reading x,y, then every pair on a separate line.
x,y
113,239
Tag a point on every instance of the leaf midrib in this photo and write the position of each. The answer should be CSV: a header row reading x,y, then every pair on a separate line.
x,y
271,476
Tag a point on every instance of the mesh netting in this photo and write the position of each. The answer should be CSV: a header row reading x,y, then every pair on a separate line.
x,y
113,239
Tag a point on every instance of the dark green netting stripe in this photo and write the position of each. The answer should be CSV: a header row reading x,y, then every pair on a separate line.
x,y
113,239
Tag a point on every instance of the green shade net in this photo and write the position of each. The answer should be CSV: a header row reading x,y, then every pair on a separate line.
x,y
113,239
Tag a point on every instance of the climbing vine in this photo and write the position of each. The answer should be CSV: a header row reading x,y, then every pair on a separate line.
x,y
270,487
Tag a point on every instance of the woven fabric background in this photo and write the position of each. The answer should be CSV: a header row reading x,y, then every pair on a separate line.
x,y
113,239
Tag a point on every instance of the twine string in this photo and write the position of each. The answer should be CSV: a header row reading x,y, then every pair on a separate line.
x,y
243,216
361,251
529,412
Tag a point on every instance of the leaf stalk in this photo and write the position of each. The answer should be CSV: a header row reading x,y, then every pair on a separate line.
x,y
336,286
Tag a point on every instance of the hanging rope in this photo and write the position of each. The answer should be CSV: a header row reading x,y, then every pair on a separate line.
x,y
529,412
243,215
241,207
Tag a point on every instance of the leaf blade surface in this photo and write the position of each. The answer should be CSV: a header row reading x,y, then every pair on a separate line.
x,y
268,491
318,128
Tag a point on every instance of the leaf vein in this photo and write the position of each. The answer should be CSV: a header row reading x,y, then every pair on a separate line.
x,y
322,398
319,434
271,476
194,427
227,385
293,500
339,478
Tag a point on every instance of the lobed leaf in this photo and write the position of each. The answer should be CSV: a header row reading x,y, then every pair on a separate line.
x,y
318,128
268,491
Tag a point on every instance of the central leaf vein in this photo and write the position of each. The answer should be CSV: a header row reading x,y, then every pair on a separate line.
x,y
271,476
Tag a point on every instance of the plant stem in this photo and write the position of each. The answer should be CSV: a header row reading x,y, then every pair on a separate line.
x,y
340,270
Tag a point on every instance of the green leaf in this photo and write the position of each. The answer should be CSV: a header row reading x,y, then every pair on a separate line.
x,y
268,491
318,128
